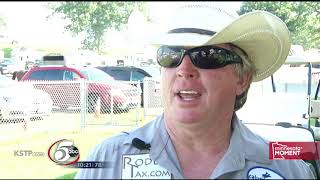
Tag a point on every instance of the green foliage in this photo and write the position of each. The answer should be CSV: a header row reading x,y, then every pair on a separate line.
x,y
94,18
68,176
302,19
7,52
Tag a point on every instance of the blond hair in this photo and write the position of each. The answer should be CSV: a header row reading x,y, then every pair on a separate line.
x,y
247,67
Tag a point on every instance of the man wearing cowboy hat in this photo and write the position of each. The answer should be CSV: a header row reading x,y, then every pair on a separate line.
x,y
209,59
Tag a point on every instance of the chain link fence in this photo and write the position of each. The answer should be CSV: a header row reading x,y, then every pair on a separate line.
x,y
152,98
74,105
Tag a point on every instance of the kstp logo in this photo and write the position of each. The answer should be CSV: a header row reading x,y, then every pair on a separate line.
x,y
63,152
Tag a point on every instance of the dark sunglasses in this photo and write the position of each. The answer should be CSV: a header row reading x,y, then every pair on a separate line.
x,y
203,57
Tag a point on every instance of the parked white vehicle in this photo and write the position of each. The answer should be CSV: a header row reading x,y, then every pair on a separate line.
x,y
19,100
286,114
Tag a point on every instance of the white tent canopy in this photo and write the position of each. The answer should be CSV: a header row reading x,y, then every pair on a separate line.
x,y
298,56
302,60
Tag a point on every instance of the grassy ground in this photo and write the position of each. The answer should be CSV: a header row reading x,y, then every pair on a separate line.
x,y
40,135
68,176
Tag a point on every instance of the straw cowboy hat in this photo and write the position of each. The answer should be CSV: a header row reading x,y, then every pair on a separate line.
x,y
262,35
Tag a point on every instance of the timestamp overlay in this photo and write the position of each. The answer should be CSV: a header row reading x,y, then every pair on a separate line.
x,y
91,164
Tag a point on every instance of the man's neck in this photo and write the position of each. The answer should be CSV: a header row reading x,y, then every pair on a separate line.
x,y
200,148
201,138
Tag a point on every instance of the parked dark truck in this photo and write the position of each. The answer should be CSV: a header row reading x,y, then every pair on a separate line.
x,y
127,73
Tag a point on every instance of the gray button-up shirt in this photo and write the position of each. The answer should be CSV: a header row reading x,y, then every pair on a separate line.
x,y
247,156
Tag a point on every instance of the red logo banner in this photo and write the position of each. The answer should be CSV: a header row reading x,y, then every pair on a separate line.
x,y
294,150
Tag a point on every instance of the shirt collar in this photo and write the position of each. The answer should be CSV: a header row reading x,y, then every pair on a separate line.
x,y
153,133
160,138
244,145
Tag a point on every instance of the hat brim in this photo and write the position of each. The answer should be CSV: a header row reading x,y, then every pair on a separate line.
x,y
263,36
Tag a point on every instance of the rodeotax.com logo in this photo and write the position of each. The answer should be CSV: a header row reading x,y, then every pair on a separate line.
x,y
63,152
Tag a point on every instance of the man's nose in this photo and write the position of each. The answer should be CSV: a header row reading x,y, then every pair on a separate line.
x,y
186,69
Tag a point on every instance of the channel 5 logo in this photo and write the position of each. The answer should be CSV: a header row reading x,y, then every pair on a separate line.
x,y
63,152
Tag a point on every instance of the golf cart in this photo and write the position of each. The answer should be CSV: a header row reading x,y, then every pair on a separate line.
x,y
282,115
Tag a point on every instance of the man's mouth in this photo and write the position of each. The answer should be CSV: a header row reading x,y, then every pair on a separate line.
x,y
188,95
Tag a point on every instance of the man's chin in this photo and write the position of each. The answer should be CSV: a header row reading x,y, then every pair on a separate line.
x,y
186,115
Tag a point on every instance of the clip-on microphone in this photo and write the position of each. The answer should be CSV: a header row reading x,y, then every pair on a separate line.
x,y
138,143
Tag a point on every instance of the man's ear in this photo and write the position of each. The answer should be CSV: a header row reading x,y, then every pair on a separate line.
x,y
243,83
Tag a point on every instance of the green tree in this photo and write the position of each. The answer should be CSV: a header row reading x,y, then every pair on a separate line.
x,y
302,19
7,52
95,18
